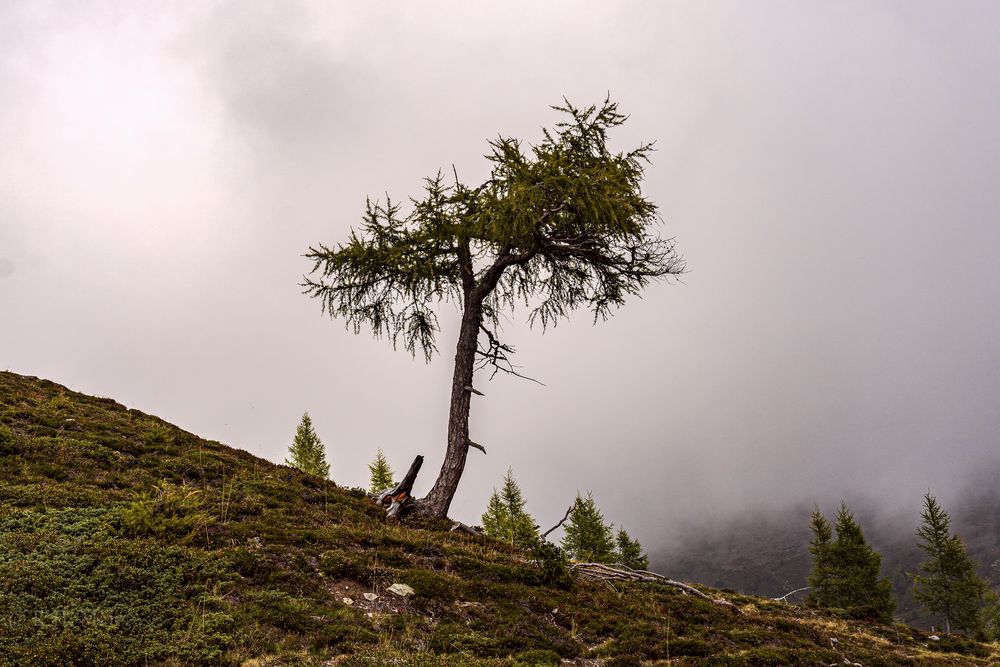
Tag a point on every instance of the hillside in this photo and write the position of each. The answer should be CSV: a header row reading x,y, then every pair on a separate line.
x,y
734,556
127,541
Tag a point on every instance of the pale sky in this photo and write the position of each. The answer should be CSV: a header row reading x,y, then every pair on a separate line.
x,y
829,170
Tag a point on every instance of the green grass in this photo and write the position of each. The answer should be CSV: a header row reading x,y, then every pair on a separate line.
x,y
127,541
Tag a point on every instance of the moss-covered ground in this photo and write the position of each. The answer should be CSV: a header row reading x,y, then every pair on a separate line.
x,y
127,541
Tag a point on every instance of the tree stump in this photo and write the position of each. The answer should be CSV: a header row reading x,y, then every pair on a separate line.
x,y
400,495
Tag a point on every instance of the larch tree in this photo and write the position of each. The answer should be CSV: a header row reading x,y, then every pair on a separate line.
x,y
630,551
948,583
558,226
505,517
587,538
850,578
381,474
306,451
821,575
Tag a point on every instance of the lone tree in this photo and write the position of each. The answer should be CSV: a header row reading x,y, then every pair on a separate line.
x,y
307,452
948,583
560,226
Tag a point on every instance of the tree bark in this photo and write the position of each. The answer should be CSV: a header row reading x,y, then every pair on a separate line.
x,y
437,502
399,497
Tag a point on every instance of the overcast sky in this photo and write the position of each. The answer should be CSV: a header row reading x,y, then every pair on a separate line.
x,y
829,170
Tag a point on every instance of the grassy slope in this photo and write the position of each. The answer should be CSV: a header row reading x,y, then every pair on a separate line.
x,y
125,540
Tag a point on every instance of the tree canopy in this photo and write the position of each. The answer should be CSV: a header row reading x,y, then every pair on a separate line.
x,y
558,226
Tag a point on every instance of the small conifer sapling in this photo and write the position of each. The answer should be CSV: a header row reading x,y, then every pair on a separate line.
x,y
587,538
307,452
381,474
630,552
505,517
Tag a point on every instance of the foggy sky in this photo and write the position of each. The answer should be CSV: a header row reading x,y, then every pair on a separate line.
x,y
829,170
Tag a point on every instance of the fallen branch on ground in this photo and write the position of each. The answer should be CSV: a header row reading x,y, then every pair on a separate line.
x,y
784,598
605,572
458,525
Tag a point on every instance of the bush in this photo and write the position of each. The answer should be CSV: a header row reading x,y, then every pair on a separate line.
x,y
553,566
171,510
7,444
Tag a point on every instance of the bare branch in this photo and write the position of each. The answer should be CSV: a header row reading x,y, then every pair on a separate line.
x,y
569,510
784,598
605,572
496,355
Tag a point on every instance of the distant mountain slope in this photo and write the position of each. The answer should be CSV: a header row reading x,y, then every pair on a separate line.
x,y
766,553
127,541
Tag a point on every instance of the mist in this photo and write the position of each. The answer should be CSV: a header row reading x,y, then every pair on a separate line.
x,y
827,169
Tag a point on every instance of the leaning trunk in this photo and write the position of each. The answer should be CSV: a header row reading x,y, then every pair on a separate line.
x,y
439,499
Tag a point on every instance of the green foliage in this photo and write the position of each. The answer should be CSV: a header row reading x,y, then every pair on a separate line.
x,y
75,594
7,444
553,566
565,222
630,552
381,474
505,518
587,537
821,592
846,570
948,583
170,510
991,617
307,452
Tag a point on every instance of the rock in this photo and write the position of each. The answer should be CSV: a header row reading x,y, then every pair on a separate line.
x,y
934,638
401,590
371,597
348,601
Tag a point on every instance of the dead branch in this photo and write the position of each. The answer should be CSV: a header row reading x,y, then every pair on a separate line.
x,y
561,522
784,598
400,495
475,391
496,354
476,445
605,572
459,526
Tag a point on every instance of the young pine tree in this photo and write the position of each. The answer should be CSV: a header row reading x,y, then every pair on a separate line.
x,y
307,452
845,570
381,474
948,584
820,578
587,537
630,552
505,518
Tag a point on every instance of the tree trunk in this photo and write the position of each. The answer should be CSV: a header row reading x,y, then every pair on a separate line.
x,y
437,502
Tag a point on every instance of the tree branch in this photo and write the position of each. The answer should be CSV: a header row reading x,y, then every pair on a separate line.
x,y
561,522
605,572
496,356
